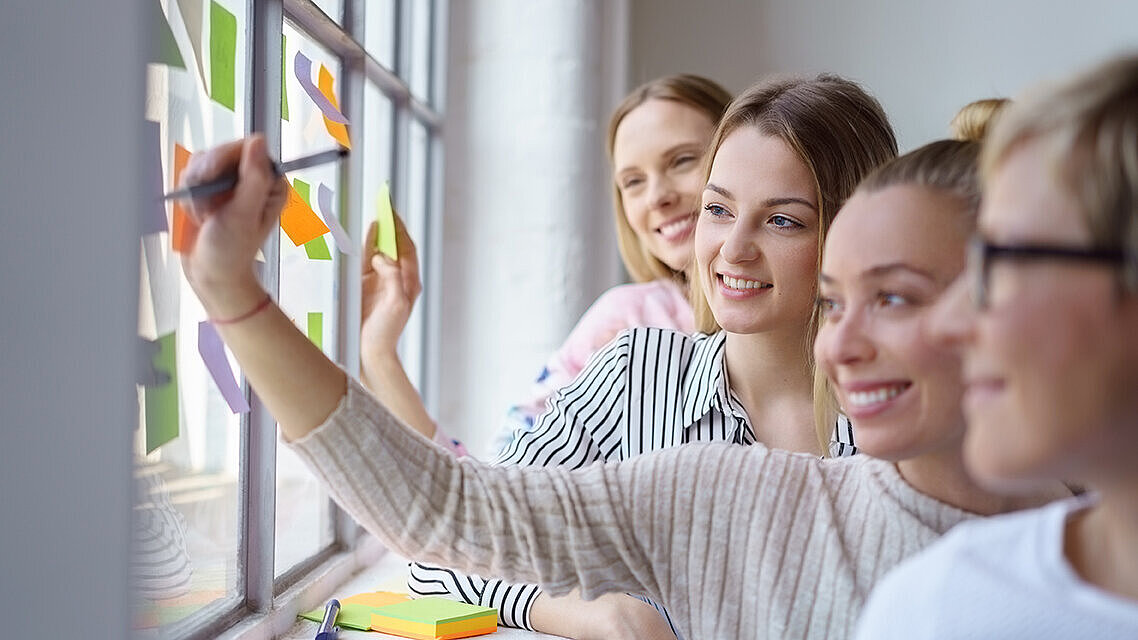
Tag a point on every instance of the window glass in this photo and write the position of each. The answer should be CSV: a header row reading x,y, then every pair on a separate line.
x,y
334,9
187,527
379,31
419,64
415,216
308,280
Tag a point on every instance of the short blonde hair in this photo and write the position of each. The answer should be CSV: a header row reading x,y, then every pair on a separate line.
x,y
699,93
838,130
1089,128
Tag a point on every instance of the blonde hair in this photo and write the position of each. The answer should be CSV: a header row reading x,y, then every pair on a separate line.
x,y
838,130
701,94
951,167
1089,129
974,118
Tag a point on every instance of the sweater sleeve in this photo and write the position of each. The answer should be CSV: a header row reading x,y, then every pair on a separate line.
x,y
554,527
582,418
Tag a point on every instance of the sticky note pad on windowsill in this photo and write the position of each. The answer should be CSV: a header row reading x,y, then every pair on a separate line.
x,y
356,611
433,618
385,225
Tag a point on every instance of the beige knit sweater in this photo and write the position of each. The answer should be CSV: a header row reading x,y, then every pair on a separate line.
x,y
736,542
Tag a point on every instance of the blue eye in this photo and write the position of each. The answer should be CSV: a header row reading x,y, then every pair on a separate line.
x,y
683,160
716,211
630,183
828,308
891,299
783,222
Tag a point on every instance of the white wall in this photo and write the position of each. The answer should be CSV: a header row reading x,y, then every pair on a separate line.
x,y
922,58
528,238
69,174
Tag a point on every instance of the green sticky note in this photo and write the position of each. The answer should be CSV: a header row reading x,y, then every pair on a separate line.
x,y
167,53
162,399
385,227
303,189
222,55
284,92
317,249
316,328
351,616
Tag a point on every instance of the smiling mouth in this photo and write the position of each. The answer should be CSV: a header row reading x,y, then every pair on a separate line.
x,y
677,229
871,397
742,284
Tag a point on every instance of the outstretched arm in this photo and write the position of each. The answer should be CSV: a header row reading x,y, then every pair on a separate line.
x,y
297,383
390,288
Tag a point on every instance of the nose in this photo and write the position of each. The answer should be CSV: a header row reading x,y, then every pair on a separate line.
x,y
664,193
844,341
953,318
740,245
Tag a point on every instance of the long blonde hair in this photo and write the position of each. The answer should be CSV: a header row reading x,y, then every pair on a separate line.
x,y
704,95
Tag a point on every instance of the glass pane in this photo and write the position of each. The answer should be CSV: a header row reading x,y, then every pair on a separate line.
x,y
186,518
334,9
419,67
379,31
415,215
308,287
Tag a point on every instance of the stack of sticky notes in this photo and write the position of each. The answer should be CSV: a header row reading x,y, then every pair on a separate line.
x,y
356,611
434,619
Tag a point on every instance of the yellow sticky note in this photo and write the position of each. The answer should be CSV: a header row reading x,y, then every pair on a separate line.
x,y
298,219
376,598
385,225
336,129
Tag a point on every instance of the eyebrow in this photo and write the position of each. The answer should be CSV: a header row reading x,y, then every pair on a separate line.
x,y
766,204
883,270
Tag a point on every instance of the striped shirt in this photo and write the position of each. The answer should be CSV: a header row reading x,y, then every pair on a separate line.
x,y
649,389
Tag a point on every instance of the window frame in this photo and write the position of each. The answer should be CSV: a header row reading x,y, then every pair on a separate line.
x,y
260,594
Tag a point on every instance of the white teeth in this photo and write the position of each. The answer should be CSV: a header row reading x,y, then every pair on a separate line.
x,y
675,228
865,398
739,283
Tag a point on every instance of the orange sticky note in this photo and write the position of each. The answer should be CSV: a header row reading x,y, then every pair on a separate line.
x,y
184,231
298,219
376,598
337,130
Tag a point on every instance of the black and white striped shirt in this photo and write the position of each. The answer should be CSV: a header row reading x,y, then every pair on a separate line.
x,y
649,389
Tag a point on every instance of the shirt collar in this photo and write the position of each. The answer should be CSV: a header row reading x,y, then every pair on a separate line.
x,y
705,382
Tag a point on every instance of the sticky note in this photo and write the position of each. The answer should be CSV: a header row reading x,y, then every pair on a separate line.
x,y
298,219
213,354
434,618
336,129
167,53
185,230
385,225
376,598
324,201
284,85
162,400
317,249
154,216
222,55
191,11
321,96
316,328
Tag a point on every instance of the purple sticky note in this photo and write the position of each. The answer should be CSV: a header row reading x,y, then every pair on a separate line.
x,y
154,217
213,354
302,66
343,242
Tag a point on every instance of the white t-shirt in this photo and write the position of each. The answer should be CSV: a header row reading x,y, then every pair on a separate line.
x,y
1002,577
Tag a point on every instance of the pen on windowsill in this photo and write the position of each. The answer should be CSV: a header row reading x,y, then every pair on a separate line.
x,y
225,183
328,629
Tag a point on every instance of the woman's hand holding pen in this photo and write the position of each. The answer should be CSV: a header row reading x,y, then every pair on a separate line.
x,y
232,226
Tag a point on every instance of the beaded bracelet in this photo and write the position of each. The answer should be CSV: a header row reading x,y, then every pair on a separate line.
x,y
249,314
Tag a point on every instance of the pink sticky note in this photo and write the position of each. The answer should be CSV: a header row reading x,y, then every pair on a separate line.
x,y
213,354
343,242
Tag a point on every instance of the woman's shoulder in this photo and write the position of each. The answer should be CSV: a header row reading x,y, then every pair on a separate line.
x,y
659,303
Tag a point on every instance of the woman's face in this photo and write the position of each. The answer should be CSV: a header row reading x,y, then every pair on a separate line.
x,y
1051,365
889,256
756,242
657,153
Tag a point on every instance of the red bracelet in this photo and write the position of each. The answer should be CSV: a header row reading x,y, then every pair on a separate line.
x,y
249,314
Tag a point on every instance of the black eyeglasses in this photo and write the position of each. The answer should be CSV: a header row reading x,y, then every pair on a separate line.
x,y
982,253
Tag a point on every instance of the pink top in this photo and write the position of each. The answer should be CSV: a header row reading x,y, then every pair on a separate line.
x,y
660,303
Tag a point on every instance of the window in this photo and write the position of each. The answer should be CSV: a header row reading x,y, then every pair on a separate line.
x,y
225,520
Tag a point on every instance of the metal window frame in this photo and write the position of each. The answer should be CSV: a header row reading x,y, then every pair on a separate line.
x,y
257,586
